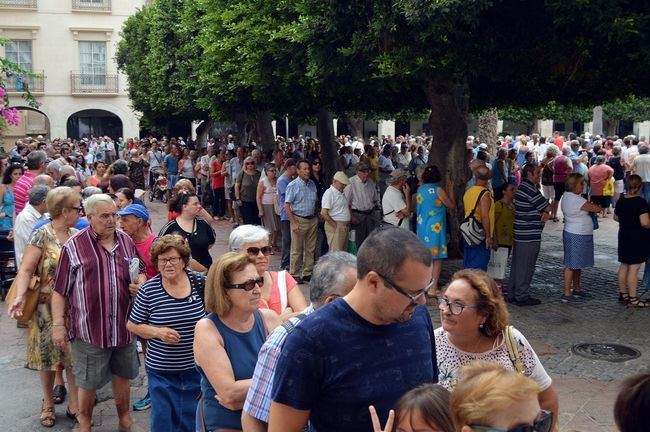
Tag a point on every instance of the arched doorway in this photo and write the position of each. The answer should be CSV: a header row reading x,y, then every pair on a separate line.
x,y
32,123
94,122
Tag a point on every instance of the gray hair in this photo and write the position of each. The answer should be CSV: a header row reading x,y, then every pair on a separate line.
x,y
378,252
55,165
329,274
566,151
616,151
38,194
246,234
600,159
94,200
35,159
89,191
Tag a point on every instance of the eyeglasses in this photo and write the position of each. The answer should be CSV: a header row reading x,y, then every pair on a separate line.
x,y
413,298
249,285
454,307
315,163
254,251
172,260
249,163
542,424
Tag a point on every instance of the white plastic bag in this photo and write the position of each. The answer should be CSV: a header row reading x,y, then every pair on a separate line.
x,y
498,263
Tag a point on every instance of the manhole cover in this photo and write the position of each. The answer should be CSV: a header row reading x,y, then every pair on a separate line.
x,y
608,352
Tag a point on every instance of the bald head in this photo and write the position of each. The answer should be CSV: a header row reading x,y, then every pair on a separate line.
x,y
43,179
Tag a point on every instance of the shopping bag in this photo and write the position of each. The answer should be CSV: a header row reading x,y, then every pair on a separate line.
x,y
498,263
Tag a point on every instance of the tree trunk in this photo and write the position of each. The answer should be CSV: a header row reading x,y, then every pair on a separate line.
x,y
328,147
355,126
244,128
487,129
264,131
448,124
202,133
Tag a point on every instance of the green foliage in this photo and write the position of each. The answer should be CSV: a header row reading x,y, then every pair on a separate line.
x,y
629,108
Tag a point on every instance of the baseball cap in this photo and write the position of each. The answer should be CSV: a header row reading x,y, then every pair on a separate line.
x,y
137,210
483,146
340,176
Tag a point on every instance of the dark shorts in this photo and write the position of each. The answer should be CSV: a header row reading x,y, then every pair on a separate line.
x,y
601,200
94,367
559,190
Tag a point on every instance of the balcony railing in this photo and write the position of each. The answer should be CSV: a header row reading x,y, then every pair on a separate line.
x,y
93,83
91,5
19,83
27,4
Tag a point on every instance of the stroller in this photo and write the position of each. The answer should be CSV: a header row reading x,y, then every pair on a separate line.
x,y
159,188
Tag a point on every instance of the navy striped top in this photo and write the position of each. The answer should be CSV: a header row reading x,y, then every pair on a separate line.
x,y
154,306
529,204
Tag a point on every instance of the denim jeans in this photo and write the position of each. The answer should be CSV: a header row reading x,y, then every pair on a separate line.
x,y
174,397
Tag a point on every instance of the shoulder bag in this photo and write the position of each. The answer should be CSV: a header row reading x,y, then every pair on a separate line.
x,y
31,297
513,352
471,229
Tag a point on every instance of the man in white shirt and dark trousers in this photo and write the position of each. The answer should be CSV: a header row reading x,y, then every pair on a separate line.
x,y
363,198
335,209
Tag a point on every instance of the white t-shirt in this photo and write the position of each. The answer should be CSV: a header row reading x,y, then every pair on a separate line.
x,y
643,166
451,359
337,205
391,203
576,221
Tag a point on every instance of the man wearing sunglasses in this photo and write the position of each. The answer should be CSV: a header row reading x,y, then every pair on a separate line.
x,y
367,348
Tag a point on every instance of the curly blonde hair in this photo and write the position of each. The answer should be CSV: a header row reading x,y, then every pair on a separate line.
x,y
489,300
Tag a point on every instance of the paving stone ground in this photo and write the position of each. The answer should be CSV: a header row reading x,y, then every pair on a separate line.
x,y
587,388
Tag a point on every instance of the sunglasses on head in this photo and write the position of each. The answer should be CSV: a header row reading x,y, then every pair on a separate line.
x,y
249,285
542,424
254,251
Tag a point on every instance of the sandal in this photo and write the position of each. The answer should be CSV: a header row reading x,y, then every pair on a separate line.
x,y
623,297
48,419
58,394
634,302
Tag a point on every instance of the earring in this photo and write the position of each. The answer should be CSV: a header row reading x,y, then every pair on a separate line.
x,y
480,326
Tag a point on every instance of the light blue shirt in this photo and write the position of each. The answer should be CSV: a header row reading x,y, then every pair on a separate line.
x,y
281,186
302,197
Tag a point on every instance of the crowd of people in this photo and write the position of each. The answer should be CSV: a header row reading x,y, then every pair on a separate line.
x,y
230,344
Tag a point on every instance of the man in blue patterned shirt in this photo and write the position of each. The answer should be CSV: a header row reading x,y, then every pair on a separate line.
x,y
300,203
334,276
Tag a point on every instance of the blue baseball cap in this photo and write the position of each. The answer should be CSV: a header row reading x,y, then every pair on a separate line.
x,y
137,210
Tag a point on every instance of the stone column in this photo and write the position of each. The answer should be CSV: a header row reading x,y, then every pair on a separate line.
x,y
386,127
597,123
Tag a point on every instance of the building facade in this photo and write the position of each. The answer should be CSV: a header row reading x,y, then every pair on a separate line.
x,y
72,44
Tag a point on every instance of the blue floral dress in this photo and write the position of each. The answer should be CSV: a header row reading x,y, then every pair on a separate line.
x,y
432,220
7,223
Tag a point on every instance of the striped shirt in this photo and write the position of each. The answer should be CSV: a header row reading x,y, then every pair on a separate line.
x,y
258,398
21,191
96,283
154,306
529,204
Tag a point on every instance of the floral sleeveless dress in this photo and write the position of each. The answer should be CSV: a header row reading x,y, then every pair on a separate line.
x,y
41,352
432,220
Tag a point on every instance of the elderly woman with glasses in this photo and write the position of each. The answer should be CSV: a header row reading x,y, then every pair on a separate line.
x,y
227,341
474,320
491,398
246,192
280,291
40,259
166,310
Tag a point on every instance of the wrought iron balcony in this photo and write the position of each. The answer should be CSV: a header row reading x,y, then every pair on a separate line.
x,y
27,4
91,5
82,83
18,83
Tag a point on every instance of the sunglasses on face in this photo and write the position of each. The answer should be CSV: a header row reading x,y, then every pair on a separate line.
x,y
254,251
542,424
315,163
249,163
249,285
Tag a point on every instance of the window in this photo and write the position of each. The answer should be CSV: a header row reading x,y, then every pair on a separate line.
x,y
20,52
92,59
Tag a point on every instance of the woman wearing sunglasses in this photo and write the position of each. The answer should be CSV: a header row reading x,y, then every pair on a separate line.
x,y
227,341
474,320
246,192
279,290
165,311
491,398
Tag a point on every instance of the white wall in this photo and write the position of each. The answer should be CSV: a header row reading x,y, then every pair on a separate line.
x,y
55,30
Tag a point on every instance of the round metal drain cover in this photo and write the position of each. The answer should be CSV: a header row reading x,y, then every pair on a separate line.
x,y
608,352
